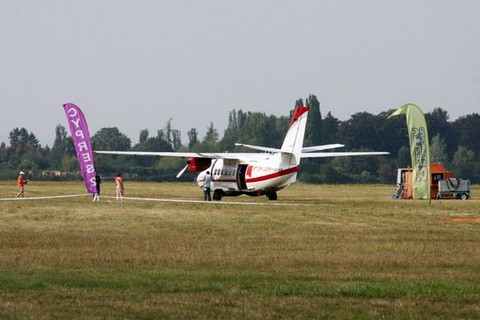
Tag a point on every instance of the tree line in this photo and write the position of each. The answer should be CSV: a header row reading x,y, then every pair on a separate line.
x,y
456,144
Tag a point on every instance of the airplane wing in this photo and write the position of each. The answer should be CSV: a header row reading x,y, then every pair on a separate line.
x,y
225,155
341,154
307,152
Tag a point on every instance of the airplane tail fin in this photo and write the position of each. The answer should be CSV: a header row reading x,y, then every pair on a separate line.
x,y
293,142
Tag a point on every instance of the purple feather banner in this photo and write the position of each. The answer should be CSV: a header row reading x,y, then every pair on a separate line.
x,y
81,141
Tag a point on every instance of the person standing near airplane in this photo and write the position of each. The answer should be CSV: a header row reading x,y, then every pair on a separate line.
x,y
98,182
206,186
119,191
21,182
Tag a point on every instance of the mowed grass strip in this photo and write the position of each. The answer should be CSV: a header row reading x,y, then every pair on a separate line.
x,y
345,252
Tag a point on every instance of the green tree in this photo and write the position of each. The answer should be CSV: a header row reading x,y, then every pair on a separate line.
x,y
209,142
466,130
176,139
387,173
313,130
361,131
3,153
391,133
111,139
438,124
403,159
358,165
60,137
143,136
62,146
232,132
24,152
21,141
330,129
171,136
151,144
69,163
464,163
438,150
192,138
259,129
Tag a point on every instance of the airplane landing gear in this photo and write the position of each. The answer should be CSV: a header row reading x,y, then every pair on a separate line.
x,y
217,195
272,195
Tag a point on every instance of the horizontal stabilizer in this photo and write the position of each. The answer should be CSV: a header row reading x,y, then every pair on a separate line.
x,y
341,154
322,147
304,150
265,149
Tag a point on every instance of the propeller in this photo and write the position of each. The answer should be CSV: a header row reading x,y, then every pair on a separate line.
x,y
182,171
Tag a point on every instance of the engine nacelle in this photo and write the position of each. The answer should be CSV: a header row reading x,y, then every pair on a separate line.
x,y
198,164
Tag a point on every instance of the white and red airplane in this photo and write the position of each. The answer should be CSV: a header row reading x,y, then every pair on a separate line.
x,y
254,174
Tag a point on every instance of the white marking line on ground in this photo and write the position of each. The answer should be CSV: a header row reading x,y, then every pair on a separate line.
x,y
157,200
46,197
209,202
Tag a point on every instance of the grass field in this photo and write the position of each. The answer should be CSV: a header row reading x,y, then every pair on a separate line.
x,y
345,252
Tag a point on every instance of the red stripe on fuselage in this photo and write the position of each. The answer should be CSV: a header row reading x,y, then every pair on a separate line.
x,y
273,175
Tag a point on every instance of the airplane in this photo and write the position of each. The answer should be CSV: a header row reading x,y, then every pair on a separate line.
x,y
254,174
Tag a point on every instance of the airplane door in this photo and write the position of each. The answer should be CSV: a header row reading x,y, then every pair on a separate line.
x,y
242,168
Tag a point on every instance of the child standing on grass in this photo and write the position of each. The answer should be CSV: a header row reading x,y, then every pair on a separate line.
x,y
119,191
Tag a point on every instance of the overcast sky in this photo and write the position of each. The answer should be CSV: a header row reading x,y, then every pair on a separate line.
x,y
136,64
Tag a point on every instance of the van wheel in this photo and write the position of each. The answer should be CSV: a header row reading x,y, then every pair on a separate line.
x,y
464,196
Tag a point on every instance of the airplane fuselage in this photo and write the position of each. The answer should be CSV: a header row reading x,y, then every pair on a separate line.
x,y
255,177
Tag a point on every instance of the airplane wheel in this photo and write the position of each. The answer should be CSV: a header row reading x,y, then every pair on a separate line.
x,y
272,195
217,195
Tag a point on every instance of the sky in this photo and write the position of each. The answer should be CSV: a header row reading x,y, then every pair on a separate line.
x,y
136,64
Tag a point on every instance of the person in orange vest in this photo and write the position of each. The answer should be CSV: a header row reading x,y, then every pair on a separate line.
x,y
21,182
119,190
